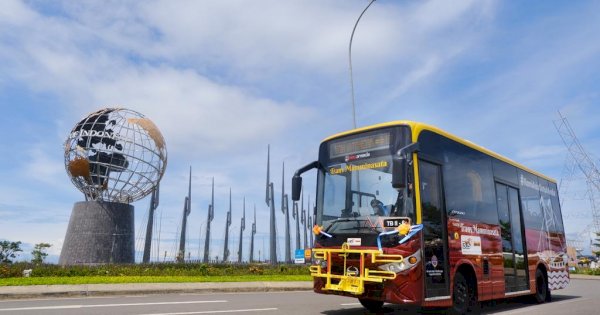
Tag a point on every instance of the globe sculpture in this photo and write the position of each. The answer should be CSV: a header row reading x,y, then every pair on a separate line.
x,y
114,156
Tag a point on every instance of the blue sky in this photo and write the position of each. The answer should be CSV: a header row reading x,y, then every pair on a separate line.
x,y
223,79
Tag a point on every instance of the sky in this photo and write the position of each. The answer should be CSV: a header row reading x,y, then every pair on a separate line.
x,y
225,79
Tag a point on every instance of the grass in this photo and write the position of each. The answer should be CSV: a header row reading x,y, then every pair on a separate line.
x,y
146,279
586,271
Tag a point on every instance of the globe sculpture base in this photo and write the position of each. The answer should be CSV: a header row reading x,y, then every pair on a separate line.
x,y
99,232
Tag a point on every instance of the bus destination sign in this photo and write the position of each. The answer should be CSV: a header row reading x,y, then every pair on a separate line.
x,y
357,145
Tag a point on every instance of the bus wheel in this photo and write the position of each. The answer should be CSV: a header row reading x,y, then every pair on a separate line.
x,y
542,293
464,298
371,305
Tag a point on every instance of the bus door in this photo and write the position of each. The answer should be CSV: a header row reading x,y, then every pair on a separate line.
x,y
513,241
435,254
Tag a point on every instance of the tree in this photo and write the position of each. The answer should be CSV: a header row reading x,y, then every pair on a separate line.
x,y
9,250
38,254
597,245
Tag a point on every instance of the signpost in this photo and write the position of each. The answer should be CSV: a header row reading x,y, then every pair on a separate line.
x,y
299,256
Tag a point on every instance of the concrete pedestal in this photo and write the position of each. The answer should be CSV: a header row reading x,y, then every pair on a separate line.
x,y
99,233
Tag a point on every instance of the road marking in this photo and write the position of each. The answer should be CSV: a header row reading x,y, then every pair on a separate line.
x,y
349,304
249,293
528,310
222,311
59,299
58,307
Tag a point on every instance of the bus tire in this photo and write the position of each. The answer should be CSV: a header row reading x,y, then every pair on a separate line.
x,y
371,305
542,292
464,297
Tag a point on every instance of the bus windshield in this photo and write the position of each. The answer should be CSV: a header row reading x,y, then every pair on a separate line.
x,y
356,194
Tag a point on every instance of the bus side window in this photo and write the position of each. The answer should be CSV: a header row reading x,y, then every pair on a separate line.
x,y
469,185
467,175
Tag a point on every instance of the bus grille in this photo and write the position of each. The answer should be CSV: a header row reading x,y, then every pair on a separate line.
x,y
348,277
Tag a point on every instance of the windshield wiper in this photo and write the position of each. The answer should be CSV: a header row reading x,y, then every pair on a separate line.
x,y
360,228
366,225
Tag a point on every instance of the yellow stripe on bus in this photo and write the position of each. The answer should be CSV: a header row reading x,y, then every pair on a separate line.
x,y
417,128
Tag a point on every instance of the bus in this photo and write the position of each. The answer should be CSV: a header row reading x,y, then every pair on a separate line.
x,y
407,213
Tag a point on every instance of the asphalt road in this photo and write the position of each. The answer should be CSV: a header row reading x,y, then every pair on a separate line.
x,y
581,297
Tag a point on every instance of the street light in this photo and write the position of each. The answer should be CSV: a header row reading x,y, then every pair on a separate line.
x,y
350,62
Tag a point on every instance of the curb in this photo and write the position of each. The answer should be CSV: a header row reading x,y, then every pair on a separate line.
x,y
583,277
34,291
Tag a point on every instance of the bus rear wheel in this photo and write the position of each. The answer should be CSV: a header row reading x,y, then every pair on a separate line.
x,y
371,305
464,298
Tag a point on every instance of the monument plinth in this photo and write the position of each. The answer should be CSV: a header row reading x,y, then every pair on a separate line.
x,y
114,156
99,232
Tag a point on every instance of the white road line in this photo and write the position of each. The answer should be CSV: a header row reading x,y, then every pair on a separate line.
x,y
249,293
59,299
349,304
222,311
58,307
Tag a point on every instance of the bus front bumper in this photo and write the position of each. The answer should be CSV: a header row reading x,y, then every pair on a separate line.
x,y
350,274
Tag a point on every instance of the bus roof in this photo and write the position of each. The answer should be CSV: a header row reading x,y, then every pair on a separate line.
x,y
417,128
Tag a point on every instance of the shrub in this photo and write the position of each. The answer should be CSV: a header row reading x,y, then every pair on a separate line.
x,y
152,269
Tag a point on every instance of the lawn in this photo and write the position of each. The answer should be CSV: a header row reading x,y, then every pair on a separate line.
x,y
48,274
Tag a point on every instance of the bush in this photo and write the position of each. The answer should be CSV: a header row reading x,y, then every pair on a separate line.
x,y
587,271
153,269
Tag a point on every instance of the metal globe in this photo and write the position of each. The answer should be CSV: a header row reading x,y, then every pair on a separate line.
x,y
116,155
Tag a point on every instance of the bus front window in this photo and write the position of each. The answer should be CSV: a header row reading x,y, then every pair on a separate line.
x,y
362,190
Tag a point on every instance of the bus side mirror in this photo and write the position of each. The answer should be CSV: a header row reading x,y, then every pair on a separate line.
x,y
297,180
400,165
399,173
296,187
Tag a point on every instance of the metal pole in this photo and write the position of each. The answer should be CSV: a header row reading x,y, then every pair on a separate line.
x,y
227,224
271,203
150,226
242,228
285,210
296,215
310,223
304,222
209,219
252,237
186,212
158,242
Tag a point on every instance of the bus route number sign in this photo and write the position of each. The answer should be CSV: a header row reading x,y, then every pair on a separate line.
x,y
392,223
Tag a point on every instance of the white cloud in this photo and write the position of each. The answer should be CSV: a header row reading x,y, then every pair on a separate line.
x,y
44,162
193,111
196,114
428,67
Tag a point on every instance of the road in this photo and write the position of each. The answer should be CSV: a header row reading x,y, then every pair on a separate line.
x,y
581,297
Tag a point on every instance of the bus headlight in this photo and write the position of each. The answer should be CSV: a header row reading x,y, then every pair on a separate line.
x,y
407,263
321,262
393,267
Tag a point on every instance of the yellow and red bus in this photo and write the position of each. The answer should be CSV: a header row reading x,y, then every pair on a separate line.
x,y
407,213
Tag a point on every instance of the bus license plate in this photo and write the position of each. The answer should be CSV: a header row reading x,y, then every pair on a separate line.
x,y
392,223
